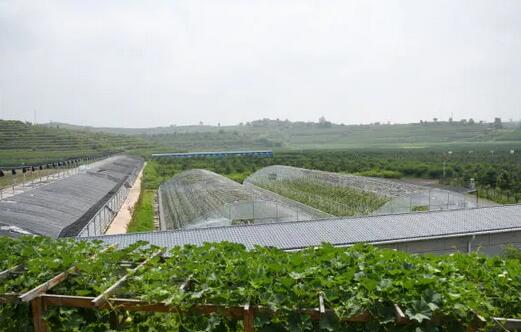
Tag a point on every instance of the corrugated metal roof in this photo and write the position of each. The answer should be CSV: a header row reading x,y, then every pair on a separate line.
x,y
342,231
62,205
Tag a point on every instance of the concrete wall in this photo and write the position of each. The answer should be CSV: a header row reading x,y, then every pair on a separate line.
x,y
489,244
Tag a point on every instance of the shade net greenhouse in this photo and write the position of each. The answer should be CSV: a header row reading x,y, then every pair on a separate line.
x,y
200,198
350,195
64,207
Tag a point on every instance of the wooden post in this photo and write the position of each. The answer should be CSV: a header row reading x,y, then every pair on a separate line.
x,y
186,283
7,273
248,319
33,293
321,306
40,325
246,312
400,317
508,324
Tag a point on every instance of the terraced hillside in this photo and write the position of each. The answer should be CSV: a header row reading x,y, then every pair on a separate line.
x,y
278,134
22,142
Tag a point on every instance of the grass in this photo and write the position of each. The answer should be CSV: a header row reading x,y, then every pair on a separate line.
x,y
500,196
238,176
152,178
143,215
378,173
420,208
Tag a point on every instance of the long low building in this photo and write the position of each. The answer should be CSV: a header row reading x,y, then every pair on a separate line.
x,y
64,207
215,154
487,229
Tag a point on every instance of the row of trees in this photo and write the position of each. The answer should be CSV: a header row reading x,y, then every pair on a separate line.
x,y
496,124
499,170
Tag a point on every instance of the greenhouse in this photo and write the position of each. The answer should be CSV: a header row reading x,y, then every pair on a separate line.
x,y
200,198
351,195
65,207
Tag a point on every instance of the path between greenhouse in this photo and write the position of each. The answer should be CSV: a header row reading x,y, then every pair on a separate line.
x,y
120,223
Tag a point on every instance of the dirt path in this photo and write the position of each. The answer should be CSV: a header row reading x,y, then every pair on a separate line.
x,y
122,219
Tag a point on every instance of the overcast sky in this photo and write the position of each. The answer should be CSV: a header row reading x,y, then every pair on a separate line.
x,y
149,63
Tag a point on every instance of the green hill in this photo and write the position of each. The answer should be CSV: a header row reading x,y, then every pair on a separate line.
x,y
22,142
25,143
276,134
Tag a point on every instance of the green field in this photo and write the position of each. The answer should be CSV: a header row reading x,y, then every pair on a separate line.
x,y
283,135
26,143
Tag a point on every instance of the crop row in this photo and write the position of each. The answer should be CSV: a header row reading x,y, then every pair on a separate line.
x,y
338,201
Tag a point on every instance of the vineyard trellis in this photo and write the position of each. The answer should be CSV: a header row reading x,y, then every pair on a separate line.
x,y
138,263
40,301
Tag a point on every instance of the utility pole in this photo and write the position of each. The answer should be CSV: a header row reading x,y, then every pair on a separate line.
x,y
253,204
23,176
446,157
